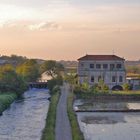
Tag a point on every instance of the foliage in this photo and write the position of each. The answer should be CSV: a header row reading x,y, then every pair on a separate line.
x,y
29,70
76,133
10,81
52,68
71,78
128,92
102,86
14,59
5,100
85,88
49,131
126,87
133,69
95,88
55,81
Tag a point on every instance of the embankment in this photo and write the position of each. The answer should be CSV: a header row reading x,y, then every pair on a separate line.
x,y
5,100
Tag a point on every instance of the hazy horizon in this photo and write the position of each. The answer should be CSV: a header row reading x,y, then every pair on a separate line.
x,y
69,29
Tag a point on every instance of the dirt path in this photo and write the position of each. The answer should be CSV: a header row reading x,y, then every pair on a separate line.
x,y
63,129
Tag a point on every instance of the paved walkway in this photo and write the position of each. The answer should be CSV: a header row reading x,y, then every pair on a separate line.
x,y
63,129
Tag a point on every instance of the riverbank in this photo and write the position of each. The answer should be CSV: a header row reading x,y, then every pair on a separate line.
x,y
116,101
49,130
6,99
76,132
113,95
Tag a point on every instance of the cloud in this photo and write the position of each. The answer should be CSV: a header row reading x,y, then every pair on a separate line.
x,y
44,26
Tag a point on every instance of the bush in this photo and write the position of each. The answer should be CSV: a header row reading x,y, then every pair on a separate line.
x,y
55,81
126,87
10,81
56,89
5,100
86,89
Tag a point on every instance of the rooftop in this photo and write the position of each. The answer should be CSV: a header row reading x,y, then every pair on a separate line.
x,y
101,57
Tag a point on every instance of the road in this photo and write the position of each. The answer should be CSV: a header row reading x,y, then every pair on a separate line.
x,y
63,128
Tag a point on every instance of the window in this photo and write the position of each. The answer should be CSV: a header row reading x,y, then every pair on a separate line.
x,y
120,79
112,66
119,66
113,78
92,78
98,66
92,66
105,66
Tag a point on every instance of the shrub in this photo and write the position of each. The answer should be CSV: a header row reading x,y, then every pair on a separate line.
x,y
126,87
55,81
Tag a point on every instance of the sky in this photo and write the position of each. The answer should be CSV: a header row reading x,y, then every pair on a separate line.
x,y
69,29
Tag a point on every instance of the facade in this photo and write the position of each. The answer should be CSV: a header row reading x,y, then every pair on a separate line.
x,y
109,68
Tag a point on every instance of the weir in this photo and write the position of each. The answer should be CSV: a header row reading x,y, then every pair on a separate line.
x,y
38,84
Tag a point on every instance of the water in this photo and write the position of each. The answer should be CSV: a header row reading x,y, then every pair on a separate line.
x,y
25,119
110,126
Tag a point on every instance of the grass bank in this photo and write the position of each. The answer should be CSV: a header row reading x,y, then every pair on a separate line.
x,y
131,92
76,132
5,100
126,94
49,130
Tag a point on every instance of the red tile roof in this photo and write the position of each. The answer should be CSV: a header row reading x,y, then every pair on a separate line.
x,y
101,57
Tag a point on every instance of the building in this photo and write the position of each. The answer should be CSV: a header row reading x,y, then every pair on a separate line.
x,y
109,68
134,81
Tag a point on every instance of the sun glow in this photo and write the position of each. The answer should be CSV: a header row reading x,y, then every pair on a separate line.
x,y
61,29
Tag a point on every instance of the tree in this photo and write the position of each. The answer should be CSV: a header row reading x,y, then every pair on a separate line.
x,y
58,81
133,69
52,68
10,81
29,70
126,87
14,59
102,86
71,78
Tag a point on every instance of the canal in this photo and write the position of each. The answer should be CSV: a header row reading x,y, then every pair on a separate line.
x,y
25,119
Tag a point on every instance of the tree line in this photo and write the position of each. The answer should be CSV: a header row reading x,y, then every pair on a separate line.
x,y
15,78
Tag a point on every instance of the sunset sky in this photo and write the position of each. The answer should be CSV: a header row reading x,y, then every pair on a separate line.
x,y
68,29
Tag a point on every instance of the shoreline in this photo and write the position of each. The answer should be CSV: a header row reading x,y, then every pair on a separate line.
x,y
6,99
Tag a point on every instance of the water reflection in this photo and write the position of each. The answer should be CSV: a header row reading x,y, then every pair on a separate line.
x,y
25,119
110,126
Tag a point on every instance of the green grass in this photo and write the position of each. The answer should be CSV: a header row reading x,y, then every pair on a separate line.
x,y
76,132
49,130
5,100
131,92
107,93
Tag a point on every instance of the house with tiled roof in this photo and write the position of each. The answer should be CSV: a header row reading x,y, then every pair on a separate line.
x,y
109,68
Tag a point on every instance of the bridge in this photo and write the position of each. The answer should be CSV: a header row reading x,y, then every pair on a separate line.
x,y
41,83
